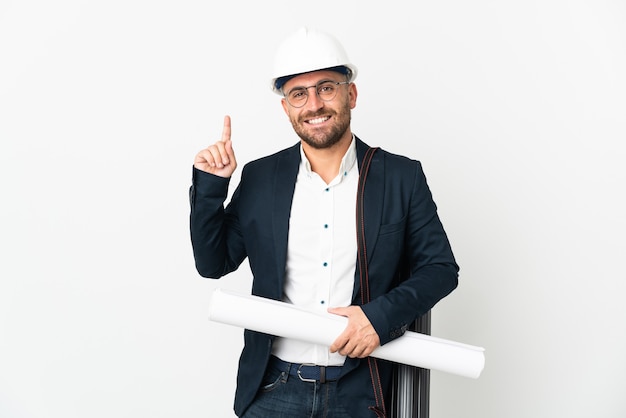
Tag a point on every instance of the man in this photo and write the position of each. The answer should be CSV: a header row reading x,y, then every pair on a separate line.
x,y
293,216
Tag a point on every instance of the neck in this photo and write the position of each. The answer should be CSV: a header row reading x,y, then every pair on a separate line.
x,y
326,161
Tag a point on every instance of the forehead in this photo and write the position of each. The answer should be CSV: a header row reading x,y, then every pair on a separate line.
x,y
310,79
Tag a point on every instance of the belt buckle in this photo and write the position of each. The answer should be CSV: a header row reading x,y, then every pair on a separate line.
x,y
299,372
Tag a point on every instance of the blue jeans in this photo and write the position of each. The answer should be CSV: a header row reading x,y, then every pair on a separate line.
x,y
286,396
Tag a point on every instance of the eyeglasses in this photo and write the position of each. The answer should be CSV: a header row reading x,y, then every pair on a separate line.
x,y
325,89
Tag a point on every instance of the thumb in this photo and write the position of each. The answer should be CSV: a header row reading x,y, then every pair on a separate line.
x,y
338,311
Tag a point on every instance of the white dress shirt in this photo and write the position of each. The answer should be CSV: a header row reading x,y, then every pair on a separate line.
x,y
321,251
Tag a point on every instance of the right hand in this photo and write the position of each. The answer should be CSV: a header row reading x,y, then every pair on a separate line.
x,y
219,158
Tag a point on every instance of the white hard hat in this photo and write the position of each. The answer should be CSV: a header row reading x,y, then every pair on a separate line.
x,y
309,50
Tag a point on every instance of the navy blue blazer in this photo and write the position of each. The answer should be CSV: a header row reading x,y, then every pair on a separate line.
x,y
402,231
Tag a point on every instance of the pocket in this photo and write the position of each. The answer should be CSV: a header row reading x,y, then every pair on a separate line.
x,y
272,379
391,228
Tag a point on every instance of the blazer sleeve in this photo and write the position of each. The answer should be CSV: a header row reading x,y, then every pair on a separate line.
x,y
218,247
427,270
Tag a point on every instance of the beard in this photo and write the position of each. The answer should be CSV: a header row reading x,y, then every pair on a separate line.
x,y
329,135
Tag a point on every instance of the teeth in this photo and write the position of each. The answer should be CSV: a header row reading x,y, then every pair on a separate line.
x,y
318,120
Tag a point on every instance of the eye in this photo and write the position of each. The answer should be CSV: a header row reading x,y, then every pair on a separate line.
x,y
326,88
297,94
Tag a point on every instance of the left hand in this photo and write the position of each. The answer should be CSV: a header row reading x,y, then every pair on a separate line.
x,y
359,339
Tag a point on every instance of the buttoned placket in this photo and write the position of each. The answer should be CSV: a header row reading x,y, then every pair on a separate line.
x,y
326,241
319,261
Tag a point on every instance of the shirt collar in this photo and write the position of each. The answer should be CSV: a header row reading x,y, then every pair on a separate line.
x,y
347,162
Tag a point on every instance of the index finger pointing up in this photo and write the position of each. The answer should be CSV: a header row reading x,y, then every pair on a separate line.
x,y
226,130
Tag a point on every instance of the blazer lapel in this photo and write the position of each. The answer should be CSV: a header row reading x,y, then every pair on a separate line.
x,y
373,203
284,186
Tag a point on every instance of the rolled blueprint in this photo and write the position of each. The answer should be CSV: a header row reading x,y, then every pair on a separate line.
x,y
286,320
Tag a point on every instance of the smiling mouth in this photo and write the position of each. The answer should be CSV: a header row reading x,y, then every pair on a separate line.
x,y
317,121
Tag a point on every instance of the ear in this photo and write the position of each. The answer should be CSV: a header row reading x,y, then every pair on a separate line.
x,y
353,93
285,106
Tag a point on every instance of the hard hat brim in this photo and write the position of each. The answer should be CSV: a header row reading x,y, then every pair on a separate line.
x,y
349,70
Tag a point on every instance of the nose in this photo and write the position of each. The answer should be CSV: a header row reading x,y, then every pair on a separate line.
x,y
313,100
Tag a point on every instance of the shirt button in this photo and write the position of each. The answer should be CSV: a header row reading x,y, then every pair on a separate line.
x,y
322,302
325,264
325,226
327,189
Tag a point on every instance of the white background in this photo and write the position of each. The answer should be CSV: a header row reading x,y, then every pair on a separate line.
x,y
515,108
